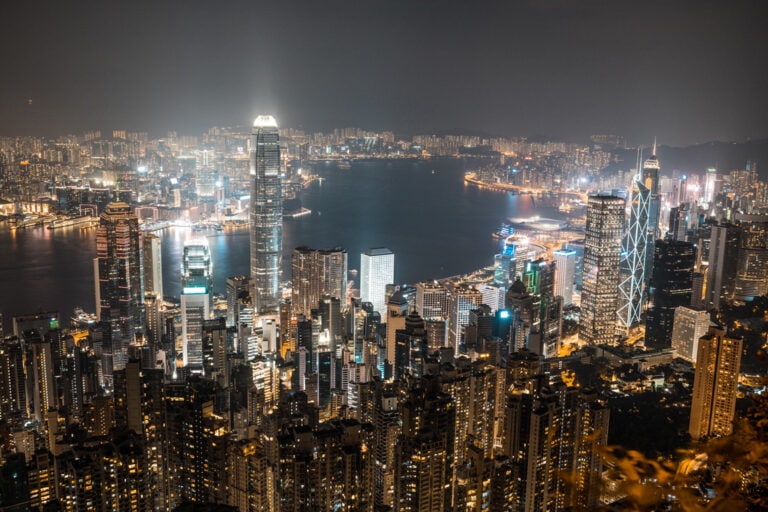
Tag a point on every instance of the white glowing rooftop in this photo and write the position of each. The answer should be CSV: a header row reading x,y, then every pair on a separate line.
x,y
265,122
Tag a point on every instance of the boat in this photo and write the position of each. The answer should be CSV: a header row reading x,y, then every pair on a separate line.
x,y
301,212
344,165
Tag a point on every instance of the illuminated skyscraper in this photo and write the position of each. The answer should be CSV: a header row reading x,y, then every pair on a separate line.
x,y
266,214
565,272
637,250
752,270
723,263
377,270
196,300
153,264
602,254
689,326
317,272
431,299
715,384
672,286
118,282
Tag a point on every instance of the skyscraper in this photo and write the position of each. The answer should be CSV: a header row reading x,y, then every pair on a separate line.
x,y
602,255
638,243
723,262
565,272
377,270
266,214
752,270
118,278
153,264
431,299
672,285
317,272
715,384
196,300
689,326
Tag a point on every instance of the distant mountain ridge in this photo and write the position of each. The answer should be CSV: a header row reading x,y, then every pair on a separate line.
x,y
724,156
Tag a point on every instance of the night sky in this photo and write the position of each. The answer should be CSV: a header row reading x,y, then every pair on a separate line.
x,y
684,70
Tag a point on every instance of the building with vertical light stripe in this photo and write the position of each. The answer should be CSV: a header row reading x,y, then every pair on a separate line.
x,y
266,214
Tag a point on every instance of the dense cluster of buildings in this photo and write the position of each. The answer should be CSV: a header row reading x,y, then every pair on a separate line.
x,y
296,393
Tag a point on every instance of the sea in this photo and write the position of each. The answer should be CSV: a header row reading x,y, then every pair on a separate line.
x,y
421,209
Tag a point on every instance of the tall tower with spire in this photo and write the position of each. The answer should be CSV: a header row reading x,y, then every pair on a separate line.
x,y
637,245
266,214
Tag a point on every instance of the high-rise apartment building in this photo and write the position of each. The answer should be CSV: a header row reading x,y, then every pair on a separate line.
x,y
602,255
238,289
377,270
196,300
315,273
118,283
723,263
715,384
690,325
266,214
565,274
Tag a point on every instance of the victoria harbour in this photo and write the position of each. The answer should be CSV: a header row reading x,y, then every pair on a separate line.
x,y
404,205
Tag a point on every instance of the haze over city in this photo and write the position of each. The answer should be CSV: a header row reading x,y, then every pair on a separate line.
x,y
426,256
686,71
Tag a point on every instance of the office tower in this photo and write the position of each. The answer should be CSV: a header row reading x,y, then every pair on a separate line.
x,y
377,270
266,214
118,278
431,300
539,280
315,273
710,182
715,384
565,274
41,322
41,392
637,245
752,270
410,347
524,316
238,288
425,449
461,300
215,343
602,255
690,325
723,263
493,295
13,389
437,331
502,269
196,300
152,258
397,309
672,286
678,222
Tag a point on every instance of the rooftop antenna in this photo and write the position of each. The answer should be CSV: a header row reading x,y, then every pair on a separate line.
x,y
654,147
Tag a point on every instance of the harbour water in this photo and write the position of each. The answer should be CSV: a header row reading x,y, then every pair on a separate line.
x,y
422,210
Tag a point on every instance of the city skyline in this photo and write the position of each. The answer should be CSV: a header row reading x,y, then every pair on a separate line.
x,y
554,69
